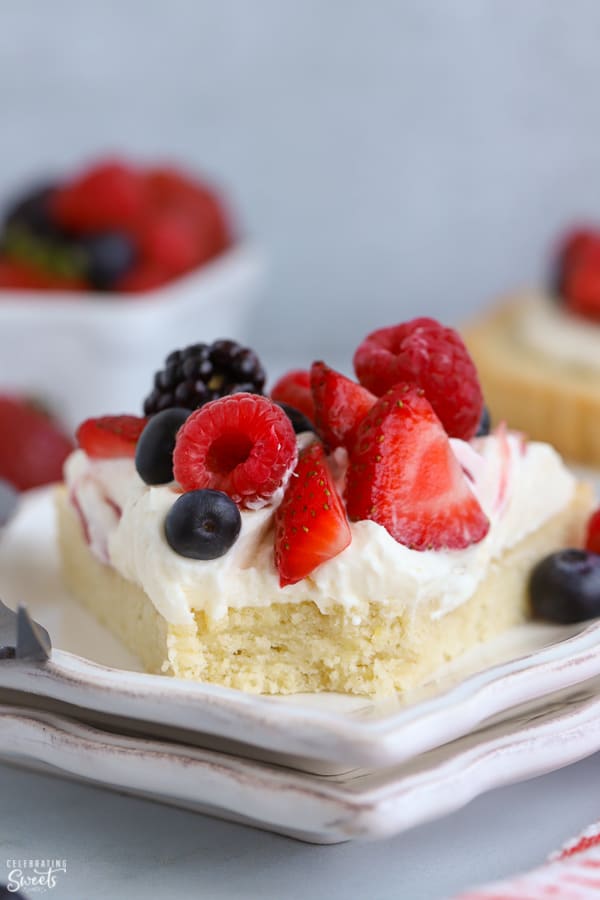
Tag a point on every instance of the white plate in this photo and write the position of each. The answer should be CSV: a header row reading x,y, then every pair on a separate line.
x,y
360,804
319,733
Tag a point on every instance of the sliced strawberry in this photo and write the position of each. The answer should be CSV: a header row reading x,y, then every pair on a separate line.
x,y
310,524
109,437
340,405
403,475
33,446
293,388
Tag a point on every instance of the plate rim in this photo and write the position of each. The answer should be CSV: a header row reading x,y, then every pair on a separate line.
x,y
548,739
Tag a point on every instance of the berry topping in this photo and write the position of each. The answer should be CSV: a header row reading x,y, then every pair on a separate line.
x,y
299,421
243,445
204,372
109,437
106,197
485,423
171,191
310,524
293,388
106,258
154,451
592,541
340,405
581,286
202,524
403,475
578,245
33,447
169,240
433,357
565,587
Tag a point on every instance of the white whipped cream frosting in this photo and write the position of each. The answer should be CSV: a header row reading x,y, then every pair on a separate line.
x,y
519,486
546,327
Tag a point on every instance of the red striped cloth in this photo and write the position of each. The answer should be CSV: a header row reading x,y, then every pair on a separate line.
x,y
572,873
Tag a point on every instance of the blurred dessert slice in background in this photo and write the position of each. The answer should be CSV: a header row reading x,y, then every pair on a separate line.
x,y
538,353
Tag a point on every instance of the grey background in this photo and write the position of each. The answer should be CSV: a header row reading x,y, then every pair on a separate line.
x,y
392,158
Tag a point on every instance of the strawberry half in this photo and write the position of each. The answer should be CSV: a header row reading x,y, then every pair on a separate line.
x,y
110,437
340,405
403,475
33,446
310,524
293,388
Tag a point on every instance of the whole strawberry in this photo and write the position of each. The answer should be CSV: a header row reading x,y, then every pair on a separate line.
x,y
425,353
33,447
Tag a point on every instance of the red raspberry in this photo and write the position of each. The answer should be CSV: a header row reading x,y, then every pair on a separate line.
x,y
403,474
106,197
170,242
592,541
33,446
110,437
170,190
425,353
243,445
293,388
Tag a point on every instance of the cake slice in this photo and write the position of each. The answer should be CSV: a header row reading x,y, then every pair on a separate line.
x,y
221,546
538,354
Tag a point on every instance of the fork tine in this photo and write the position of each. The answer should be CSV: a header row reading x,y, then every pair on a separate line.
x,y
33,641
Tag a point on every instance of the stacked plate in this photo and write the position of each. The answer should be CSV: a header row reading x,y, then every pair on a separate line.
x,y
323,768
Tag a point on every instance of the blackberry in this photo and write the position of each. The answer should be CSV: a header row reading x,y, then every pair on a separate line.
x,y
203,372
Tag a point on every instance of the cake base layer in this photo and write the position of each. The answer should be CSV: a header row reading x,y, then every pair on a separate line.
x,y
290,648
549,401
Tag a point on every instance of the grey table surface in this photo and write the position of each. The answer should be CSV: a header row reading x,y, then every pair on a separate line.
x,y
118,846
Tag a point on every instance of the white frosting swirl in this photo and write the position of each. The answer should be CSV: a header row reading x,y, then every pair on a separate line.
x,y
519,486
546,327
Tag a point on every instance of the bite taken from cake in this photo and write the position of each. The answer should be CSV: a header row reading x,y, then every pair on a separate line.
x,y
337,535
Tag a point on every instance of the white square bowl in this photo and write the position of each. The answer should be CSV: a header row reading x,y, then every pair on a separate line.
x,y
92,354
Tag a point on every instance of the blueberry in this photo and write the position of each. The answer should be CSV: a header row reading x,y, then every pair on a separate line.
x,y
108,257
298,419
202,524
154,451
565,587
485,423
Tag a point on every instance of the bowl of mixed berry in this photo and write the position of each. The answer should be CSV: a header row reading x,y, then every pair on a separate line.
x,y
99,266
